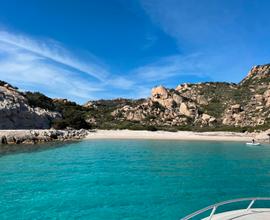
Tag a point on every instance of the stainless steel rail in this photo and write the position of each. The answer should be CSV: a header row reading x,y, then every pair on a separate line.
x,y
215,206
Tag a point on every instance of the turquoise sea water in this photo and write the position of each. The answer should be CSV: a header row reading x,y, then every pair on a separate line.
x,y
130,180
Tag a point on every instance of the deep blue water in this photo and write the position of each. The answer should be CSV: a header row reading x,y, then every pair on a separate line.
x,y
123,179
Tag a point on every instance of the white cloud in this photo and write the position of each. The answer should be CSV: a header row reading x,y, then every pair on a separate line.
x,y
29,71
172,66
52,50
46,66
218,29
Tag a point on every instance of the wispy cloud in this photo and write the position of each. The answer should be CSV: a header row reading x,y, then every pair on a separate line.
x,y
219,30
47,66
52,50
172,66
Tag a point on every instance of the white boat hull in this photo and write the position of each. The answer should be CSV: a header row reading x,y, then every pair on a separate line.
x,y
253,144
252,214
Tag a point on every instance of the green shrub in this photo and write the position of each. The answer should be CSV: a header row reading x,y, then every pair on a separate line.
x,y
36,99
59,124
151,128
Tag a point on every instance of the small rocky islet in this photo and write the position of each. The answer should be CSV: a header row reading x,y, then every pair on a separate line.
x,y
31,117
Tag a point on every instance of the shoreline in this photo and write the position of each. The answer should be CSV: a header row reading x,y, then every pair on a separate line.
x,y
34,136
165,135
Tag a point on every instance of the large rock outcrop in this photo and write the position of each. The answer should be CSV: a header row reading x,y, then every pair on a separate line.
x,y
257,73
164,108
39,136
15,112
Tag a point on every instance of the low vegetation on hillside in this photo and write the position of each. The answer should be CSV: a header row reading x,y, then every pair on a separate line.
x,y
73,115
209,106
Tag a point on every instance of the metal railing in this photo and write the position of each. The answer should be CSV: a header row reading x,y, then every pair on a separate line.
x,y
215,206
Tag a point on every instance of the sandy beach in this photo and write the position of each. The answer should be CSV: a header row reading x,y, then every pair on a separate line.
x,y
28,136
163,135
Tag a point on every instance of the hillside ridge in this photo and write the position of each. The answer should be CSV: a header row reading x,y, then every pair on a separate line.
x,y
190,106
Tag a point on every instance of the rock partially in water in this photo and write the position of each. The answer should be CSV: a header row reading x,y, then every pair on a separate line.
x,y
39,136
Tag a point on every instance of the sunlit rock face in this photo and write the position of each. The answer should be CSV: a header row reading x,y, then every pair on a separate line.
x,y
257,72
15,112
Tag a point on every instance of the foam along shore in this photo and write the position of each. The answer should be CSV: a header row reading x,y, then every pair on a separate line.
x,y
180,135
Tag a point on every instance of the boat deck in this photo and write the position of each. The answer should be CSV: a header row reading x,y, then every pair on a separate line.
x,y
243,214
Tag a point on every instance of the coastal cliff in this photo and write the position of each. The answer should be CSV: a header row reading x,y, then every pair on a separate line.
x,y
208,106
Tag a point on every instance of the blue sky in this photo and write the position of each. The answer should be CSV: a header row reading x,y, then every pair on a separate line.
x,y
83,50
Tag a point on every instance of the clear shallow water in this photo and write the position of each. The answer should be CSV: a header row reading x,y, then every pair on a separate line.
x,y
129,179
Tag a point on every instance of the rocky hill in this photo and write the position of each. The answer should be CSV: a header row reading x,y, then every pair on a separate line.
x,y
16,113
200,106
